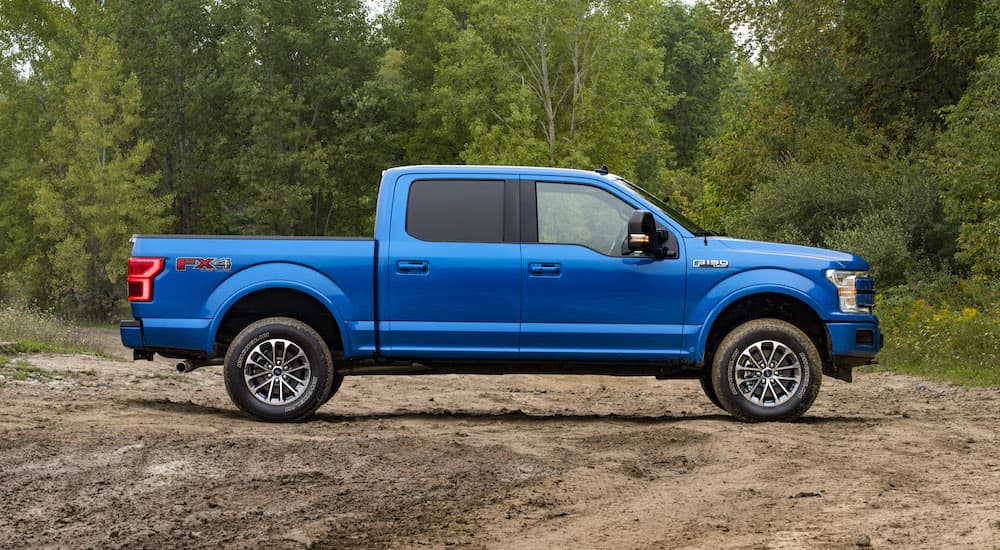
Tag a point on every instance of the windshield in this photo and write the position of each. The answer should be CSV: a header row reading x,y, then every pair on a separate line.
x,y
670,211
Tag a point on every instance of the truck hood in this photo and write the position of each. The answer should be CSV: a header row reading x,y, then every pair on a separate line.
x,y
761,248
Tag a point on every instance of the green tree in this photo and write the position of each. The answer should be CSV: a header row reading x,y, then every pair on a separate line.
x,y
569,83
758,131
419,32
91,195
299,115
698,62
853,193
883,65
967,162
172,48
37,42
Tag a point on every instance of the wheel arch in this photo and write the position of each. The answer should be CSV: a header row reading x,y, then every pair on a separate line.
x,y
272,291
785,304
279,302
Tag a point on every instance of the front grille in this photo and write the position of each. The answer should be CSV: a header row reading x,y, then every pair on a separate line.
x,y
865,289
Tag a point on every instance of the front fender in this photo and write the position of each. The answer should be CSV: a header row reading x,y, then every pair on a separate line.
x,y
278,275
757,281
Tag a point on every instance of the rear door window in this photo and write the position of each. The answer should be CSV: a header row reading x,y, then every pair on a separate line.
x,y
456,211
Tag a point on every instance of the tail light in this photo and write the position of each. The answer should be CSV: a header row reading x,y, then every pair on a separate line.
x,y
141,272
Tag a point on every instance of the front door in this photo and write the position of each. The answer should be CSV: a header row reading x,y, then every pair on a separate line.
x,y
454,270
585,296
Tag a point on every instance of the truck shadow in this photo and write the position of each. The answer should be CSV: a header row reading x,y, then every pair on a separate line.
x,y
506,415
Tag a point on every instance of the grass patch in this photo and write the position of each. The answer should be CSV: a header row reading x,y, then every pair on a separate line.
x,y
32,331
948,332
22,370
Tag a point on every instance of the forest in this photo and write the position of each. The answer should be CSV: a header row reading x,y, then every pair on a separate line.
x,y
860,125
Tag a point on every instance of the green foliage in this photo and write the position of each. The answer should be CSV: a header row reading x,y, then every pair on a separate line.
x,y
839,193
967,161
24,28
172,46
563,83
757,132
877,64
945,328
91,195
295,74
865,126
698,62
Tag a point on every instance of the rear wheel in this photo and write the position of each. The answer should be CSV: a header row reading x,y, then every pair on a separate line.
x,y
279,370
766,370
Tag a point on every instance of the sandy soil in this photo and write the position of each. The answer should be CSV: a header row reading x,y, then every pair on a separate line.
x,y
104,453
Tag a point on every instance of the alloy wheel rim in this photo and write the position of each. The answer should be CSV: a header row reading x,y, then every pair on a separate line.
x,y
277,371
767,373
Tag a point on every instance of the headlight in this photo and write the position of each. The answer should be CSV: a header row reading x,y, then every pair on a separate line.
x,y
854,289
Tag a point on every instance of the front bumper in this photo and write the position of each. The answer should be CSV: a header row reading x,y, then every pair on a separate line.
x,y
852,345
854,339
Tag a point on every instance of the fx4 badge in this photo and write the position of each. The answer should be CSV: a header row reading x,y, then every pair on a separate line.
x,y
711,263
205,264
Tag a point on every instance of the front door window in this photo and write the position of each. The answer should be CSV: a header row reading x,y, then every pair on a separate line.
x,y
583,215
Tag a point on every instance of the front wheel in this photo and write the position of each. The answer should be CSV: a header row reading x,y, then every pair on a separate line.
x,y
767,370
279,370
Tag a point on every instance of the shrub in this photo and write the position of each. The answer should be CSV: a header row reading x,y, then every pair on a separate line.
x,y
885,211
945,328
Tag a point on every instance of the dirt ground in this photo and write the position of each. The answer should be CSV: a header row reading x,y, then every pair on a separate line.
x,y
105,453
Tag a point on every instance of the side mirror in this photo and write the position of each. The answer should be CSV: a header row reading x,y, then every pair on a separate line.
x,y
642,234
668,245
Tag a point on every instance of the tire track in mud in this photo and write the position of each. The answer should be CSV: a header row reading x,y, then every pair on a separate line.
x,y
134,455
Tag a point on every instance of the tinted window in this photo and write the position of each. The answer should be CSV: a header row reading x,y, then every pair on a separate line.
x,y
581,214
456,211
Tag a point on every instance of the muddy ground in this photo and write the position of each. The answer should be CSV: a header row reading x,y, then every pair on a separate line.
x,y
105,453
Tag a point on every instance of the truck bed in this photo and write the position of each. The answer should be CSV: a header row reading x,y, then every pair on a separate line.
x,y
203,275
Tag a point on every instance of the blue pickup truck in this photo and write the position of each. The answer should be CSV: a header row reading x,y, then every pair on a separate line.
x,y
494,270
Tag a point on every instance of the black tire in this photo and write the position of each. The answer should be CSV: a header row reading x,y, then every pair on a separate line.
x,y
739,350
274,331
706,386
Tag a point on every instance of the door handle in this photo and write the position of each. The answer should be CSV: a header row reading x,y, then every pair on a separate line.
x,y
412,266
545,269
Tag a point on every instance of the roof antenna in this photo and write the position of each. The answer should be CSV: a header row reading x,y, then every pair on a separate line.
x,y
603,170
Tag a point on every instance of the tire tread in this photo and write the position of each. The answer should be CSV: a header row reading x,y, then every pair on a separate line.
x,y
324,393
720,376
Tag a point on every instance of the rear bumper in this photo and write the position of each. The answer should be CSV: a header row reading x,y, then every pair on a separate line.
x,y
157,334
131,333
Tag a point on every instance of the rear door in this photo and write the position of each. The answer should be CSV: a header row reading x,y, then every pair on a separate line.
x,y
454,269
585,295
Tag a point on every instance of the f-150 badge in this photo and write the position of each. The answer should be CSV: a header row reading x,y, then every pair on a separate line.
x,y
204,264
711,263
